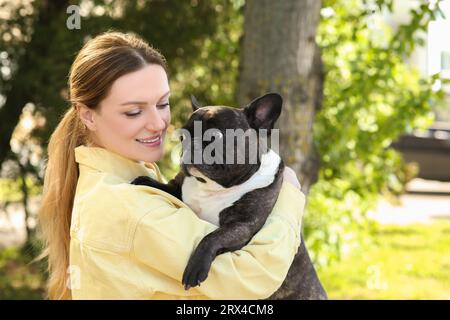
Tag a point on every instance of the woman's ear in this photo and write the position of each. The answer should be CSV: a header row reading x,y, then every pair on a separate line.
x,y
86,115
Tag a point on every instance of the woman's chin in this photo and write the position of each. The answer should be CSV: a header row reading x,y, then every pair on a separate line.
x,y
153,155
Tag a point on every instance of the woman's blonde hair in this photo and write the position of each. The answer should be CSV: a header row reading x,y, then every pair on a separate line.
x,y
99,63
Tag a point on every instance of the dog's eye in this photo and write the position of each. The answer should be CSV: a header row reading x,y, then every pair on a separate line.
x,y
200,179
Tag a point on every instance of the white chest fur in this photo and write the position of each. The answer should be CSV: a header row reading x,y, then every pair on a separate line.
x,y
208,199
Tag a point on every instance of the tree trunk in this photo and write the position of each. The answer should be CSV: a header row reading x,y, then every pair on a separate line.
x,y
25,198
279,54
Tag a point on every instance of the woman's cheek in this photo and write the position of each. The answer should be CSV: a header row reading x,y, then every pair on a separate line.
x,y
167,118
130,128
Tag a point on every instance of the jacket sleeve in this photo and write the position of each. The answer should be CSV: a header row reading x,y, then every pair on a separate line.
x,y
166,236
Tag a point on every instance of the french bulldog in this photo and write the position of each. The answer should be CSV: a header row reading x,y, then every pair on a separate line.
x,y
237,190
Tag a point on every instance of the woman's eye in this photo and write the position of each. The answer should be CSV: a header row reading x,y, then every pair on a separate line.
x,y
133,114
164,105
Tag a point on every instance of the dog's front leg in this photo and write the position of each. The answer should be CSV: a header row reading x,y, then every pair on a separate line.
x,y
229,237
173,186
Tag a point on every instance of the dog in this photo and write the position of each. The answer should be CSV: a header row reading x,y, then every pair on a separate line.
x,y
236,188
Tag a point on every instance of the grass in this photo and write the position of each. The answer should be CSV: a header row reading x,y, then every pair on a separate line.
x,y
406,262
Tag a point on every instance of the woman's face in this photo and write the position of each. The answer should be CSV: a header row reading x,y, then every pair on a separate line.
x,y
132,120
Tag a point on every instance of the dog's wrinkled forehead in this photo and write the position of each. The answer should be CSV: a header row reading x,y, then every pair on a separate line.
x,y
219,117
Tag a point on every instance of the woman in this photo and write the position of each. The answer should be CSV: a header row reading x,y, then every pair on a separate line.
x,y
108,239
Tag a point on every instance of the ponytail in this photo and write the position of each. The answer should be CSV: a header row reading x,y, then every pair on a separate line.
x,y
60,182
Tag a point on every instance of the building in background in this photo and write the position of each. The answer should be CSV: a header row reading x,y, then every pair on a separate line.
x,y
430,149
434,56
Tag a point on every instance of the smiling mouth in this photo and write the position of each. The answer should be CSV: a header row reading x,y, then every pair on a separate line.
x,y
150,141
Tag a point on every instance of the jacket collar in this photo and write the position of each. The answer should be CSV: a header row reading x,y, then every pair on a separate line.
x,y
107,161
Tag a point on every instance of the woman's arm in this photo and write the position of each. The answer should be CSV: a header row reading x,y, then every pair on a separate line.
x,y
166,237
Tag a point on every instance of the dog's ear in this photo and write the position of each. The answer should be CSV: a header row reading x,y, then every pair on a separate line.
x,y
195,104
263,112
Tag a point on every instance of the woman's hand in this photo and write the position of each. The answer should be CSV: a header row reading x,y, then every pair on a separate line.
x,y
290,176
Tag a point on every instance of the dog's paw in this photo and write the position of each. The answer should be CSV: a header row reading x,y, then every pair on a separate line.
x,y
143,181
196,270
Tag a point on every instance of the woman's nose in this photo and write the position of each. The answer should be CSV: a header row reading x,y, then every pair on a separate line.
x,y
155,121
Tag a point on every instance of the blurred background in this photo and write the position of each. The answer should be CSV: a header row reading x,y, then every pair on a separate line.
x,y
366,120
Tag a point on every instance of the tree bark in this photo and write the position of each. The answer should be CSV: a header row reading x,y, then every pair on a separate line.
x,y
25,199
279,54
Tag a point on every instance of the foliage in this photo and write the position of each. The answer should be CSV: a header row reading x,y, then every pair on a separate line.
x,y
20,278
405,262
11,189
371,96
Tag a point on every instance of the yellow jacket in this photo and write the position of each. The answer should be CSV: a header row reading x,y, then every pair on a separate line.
x,y
133,242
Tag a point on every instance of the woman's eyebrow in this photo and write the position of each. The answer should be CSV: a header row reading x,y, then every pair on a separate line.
x,y
165,95
144,102
133,102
